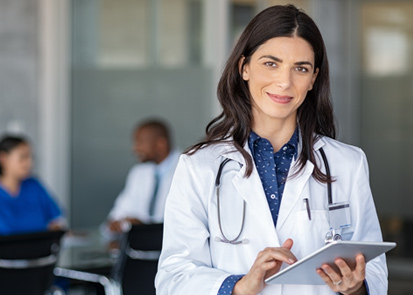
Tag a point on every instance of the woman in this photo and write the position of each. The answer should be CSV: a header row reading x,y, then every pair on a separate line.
x,y
276,121
25,205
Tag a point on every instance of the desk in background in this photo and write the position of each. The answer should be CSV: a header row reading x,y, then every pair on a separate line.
x,y
85,250
84,256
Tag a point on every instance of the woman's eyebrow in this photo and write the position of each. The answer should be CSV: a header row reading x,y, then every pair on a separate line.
x,y
300,63
276,59
271,57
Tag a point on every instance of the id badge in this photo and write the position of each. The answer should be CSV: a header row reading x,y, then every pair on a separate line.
x,y
340,216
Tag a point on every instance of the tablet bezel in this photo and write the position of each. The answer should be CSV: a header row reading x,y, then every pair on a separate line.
x,y
304,270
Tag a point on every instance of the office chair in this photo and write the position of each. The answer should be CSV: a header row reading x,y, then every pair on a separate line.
x,y
140,248
27,262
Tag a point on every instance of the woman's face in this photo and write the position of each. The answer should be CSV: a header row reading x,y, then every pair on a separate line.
x,y
18,162
279,75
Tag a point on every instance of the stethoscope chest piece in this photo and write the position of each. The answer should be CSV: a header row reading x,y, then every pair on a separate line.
x,y
332,236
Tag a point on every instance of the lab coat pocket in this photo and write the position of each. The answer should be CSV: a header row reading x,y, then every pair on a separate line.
x,y
309,232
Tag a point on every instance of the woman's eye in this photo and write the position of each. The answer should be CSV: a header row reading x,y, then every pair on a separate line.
x,y
301,69
270,64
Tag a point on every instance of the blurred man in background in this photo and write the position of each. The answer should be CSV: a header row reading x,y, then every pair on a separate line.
x,y
143,198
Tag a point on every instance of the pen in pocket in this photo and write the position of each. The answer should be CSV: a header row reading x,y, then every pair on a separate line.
x,y
307,206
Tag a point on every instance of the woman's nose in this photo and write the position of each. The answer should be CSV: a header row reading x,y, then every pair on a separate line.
x,y
283,78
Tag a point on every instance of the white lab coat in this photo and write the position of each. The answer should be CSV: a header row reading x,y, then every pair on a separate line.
x,y
136,196
192,262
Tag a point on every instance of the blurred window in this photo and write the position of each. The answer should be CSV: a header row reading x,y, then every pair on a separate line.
x,y
137,33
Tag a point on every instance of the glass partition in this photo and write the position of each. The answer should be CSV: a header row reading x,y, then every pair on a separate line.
x,y
387,126
132,59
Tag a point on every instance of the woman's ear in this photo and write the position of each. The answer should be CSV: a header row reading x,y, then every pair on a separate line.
x,y
313,79
242,69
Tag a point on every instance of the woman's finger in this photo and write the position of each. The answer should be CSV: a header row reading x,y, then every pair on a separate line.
x,y
345,279
279,254
324,276
355,276
267,263
360,270
345,270
335,278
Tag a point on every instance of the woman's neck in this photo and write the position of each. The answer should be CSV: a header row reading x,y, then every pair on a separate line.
x,y
278,133
11,184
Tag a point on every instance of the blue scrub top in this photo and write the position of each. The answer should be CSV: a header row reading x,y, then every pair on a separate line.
x,y
31,210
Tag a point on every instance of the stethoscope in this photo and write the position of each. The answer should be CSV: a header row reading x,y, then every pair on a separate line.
x,y
224,239
331,235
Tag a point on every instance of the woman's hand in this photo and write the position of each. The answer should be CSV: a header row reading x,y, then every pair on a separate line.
x,y
267,263
54,226
347,281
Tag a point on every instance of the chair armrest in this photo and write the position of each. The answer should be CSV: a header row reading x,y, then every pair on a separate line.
x,y
110,286
143,255
28,263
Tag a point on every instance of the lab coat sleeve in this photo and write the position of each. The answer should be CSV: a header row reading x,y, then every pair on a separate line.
x,y
185,264
367,227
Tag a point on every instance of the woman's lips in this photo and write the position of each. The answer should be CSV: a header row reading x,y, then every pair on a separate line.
x,y
279,98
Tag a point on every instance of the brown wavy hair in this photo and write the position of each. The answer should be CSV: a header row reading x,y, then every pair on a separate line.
x,y
314,116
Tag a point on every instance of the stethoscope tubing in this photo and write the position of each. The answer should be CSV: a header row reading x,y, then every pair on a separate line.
x,y
217,186
329,191
235,241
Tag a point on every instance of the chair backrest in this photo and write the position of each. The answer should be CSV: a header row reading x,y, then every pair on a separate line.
x,y
138,263
27,262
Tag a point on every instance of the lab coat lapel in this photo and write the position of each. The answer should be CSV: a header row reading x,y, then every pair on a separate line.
x,y
294,187
251,190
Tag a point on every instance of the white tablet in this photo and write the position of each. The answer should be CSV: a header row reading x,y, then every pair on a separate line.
x,y
303,272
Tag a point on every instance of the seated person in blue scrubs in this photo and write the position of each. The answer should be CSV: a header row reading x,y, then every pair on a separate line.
x,y
25,205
